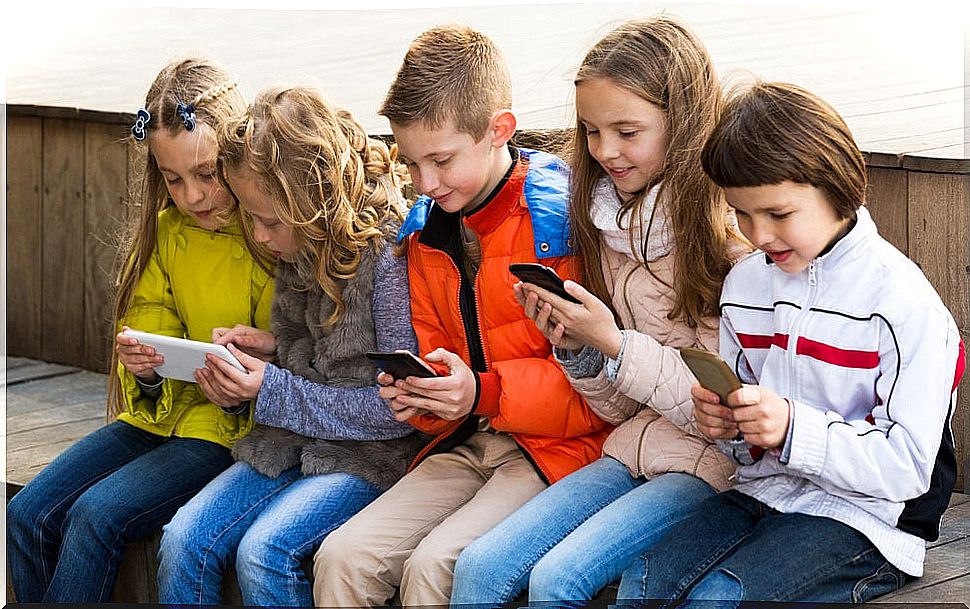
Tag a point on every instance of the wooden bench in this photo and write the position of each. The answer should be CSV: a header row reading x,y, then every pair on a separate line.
x,y
49,407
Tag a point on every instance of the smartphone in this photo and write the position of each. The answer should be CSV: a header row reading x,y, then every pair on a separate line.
x,y
542,276
712,371
401,364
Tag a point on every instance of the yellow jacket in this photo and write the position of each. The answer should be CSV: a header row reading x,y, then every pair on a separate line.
x,y
196,280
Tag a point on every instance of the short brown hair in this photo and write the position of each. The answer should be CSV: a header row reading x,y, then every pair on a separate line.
x,y
772,132
450,72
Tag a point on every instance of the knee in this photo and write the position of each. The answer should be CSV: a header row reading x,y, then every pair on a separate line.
x,y
179,538
91,514
22,515
479,561
554,579
719,585
339,553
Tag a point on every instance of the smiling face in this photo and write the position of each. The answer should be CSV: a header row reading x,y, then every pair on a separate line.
x,y
268,230
187,162
449,165
626,134
791,223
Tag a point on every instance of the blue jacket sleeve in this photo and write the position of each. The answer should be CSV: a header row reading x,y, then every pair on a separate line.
x,y
346,413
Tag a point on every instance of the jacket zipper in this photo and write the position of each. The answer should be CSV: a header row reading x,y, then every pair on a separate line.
x,y
795,330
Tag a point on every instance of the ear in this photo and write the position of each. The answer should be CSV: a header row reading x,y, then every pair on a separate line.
x,y
501,127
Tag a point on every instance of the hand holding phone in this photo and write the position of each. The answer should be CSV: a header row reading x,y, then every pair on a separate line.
x,y
712,372
401,364
542,276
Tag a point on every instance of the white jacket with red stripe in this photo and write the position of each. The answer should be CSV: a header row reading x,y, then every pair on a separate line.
x,y
862,345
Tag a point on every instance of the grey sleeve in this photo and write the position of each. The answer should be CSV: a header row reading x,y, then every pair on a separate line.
x,y
345,413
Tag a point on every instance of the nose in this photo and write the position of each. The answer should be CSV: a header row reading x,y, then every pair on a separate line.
x,y
602,148
194,192
260,234
759,234
427,181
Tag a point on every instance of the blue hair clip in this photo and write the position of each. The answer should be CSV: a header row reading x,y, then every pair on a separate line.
x,y
187,114
141,124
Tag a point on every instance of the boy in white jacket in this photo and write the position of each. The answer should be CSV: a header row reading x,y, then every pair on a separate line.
x,y
850,361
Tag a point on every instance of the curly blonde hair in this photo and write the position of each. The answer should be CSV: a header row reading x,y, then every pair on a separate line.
x,y
213,92
339,189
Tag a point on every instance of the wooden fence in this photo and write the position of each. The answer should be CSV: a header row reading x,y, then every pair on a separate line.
x,y
69,172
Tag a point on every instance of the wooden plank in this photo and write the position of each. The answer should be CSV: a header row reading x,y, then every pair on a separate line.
x,y
106,169
35,370
50,419
887,199
58,392
24,263
62,333
939,241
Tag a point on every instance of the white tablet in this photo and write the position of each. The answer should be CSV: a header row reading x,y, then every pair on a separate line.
x,y
182,356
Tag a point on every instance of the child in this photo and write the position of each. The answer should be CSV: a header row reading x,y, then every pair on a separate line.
x,y
851,359
328,445
185,273
656,239
506,419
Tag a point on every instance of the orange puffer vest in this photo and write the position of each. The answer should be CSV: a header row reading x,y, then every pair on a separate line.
x,y
523,391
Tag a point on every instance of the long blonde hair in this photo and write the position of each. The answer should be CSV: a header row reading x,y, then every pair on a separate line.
x,y
213,93
662,62
339,189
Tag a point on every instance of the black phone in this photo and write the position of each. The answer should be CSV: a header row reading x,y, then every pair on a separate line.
x,y
401,364
712,372
542,276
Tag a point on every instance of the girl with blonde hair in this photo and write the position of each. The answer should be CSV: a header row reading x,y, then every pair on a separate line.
x,y
656,239
185,271
323,201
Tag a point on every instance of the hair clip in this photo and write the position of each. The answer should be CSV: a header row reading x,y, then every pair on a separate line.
x,y
141,124
187,114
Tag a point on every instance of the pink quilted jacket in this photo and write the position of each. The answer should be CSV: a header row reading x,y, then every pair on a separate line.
x,y
650,398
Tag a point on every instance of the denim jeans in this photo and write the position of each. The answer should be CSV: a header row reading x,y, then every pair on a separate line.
x,y
735,549
67,529
267,526
575,537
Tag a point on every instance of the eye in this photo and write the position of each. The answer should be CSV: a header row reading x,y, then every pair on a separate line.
x,y
780,215
740,214
629,134
172,180
442,162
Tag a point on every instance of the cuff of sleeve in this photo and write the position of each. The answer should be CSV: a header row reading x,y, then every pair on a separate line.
x,y
612,366
240,409
808,442
489,392
586,364
264,406
786,447
151,390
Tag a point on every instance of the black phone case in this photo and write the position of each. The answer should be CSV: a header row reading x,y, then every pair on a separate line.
x,y
400,365
542,276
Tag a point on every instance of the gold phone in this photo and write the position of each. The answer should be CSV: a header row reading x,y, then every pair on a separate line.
x,y
712,371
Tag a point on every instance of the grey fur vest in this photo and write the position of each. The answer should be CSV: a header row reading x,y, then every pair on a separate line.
x,y
331,356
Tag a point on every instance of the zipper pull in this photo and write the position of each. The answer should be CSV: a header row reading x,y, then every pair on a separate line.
x,y
811,273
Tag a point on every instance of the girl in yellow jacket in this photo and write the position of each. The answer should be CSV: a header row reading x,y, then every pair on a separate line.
x,y
187,271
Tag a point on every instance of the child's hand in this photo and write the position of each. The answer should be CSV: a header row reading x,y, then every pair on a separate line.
x,y
590,323
761,415
226,386
449,397
255,342
390,393
555,333
714,420
140,360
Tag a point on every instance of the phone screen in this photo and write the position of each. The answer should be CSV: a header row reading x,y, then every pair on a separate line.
x,y
542,276
401,364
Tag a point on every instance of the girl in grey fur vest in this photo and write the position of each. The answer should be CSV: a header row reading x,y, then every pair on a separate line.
x,y
321,200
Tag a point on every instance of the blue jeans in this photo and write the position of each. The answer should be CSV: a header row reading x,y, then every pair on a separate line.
x,y
736,549
268,526
575,537
67,529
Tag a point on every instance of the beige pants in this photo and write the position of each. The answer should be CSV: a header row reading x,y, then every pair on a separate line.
x,y
411,536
